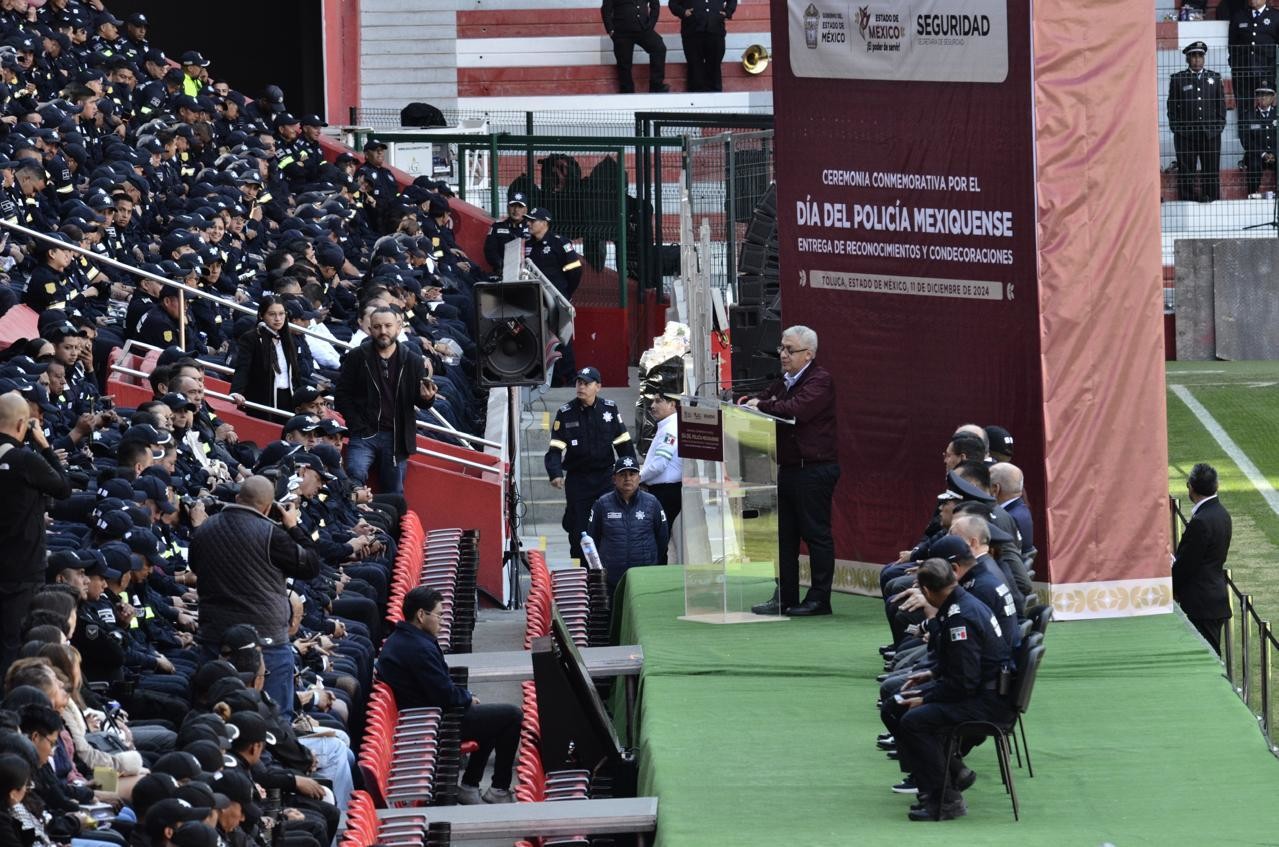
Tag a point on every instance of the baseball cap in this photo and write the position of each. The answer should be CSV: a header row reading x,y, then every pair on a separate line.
x,y
517,198
179,765
373,144
172,812
625,464
155,489
252,728
114,524
301,423
952,548
587,375
313,462
177,401
1001,440
538,214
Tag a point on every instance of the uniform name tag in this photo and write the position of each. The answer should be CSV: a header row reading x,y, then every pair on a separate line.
x,y
613,515
1187,87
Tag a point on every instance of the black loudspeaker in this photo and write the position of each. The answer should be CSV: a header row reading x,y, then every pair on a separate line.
x,y
511,332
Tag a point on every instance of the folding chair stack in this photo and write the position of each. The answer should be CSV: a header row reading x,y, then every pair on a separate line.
x,y
363,829
581,597
410,757
448,561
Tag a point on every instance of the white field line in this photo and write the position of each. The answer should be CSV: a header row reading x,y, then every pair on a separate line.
x,y
1236,454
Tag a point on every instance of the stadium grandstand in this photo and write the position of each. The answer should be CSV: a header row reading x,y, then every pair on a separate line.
x,y
358,358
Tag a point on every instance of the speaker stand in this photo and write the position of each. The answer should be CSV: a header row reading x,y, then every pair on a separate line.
x,y
513,556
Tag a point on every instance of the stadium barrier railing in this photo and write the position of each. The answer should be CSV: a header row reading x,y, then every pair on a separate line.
x,y
1248,648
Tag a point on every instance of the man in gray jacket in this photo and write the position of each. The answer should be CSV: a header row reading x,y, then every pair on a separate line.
x,y
242,558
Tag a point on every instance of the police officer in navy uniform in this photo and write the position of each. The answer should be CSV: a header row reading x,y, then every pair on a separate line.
x,y
382,185
630,23
1254,32
511,227
587,437
972,659
553,254
1257,127
135,45
702,27
1197,116
628,525
559,261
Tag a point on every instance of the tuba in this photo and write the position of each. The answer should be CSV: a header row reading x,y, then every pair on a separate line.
x,y
755,59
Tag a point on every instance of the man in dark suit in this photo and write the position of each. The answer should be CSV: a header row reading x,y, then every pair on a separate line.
x,y
1198,581
808,468
1197,116
1006,484
1254,32
702,27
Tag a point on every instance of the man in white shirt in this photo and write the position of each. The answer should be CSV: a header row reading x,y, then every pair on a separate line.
x,y
662,473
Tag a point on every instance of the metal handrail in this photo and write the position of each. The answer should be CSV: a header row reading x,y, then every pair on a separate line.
x,y
494,468
1245,635
181,286
456,433
208,392
208,366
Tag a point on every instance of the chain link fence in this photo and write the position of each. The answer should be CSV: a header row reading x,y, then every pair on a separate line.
x,y
727,176
1216,139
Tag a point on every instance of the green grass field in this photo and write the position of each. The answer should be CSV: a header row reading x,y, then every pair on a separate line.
x,y
1243,397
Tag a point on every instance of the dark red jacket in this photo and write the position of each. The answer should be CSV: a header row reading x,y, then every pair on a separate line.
x,y
811,403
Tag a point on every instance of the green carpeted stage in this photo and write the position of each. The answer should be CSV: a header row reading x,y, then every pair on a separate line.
x,y
765,734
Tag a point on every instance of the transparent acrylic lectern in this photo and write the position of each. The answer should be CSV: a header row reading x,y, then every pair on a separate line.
x,y
728,518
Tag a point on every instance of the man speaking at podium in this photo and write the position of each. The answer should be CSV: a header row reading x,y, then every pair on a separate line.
x,y
808,468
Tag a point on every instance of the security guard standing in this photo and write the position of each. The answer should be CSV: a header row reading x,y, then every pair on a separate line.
x,y
1254,32
1197,116
382,184
1257,127
973,663
511,227
663,471
588,435
702,27
553,254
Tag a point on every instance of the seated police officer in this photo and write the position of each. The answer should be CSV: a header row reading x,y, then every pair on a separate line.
x,y
972,656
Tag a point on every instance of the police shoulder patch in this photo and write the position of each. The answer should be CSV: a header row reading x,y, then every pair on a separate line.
x,y
50,287
566,407
168,335
959,633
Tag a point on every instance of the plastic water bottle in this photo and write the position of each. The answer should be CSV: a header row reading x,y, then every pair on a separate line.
x,y
590,553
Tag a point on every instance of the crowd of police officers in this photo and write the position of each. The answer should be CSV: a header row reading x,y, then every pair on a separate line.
x,y
110,147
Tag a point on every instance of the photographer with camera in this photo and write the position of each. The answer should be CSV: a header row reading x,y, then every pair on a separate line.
x,y
242,557
27,479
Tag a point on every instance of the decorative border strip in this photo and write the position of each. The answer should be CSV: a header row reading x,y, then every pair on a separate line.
x,y
1120,598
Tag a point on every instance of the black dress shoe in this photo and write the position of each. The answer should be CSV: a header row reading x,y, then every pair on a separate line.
x,y
771,606
808,609
944,812
964,779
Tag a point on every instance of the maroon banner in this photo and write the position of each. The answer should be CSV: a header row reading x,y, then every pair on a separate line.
x,y
906,209
701,433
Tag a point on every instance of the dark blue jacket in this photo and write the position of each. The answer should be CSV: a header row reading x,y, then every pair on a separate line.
x,y
413,665
628,534
1025,524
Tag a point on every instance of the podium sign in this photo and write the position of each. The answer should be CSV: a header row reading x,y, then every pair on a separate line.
x,y
701,432
729,518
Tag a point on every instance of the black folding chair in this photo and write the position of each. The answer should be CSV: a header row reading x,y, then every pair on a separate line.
x,y
976,730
